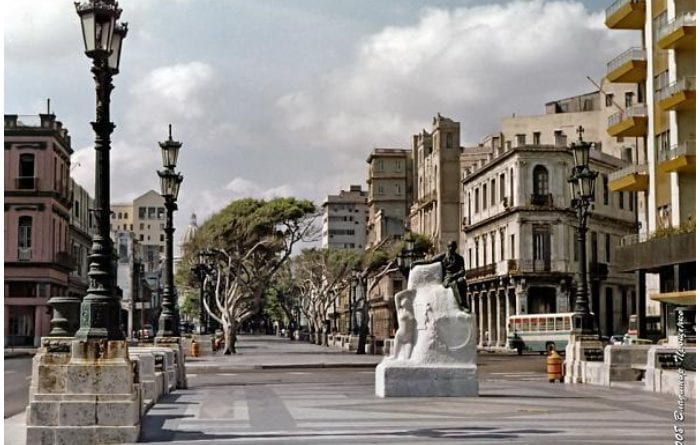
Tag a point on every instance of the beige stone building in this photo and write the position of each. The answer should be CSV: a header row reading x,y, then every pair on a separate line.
x,y
519,234
662,174
435,208
345,218
145,217
388,193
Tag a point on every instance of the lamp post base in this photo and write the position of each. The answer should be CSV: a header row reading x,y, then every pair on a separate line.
x,y
83,391
583,324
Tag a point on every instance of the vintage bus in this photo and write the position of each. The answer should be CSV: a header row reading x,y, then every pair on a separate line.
x,y
539,332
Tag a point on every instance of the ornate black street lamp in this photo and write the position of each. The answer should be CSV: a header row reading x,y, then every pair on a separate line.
x,y
103,36
201,270
582,186
352,303
169,187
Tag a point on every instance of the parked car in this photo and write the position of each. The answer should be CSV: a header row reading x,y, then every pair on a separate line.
x,y
147,333
617,340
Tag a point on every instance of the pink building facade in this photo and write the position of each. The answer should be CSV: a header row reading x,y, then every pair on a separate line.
x,y
38,201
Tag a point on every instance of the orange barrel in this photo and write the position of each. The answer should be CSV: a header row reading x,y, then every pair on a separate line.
x,y
195,349
554,371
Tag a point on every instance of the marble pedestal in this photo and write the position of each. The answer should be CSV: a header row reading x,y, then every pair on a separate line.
x,y
83,392
395,380
581,350
434,351
175,343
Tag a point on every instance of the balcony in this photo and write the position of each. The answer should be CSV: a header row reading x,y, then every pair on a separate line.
x,y
483,271
516,267
24,254
26,183
650,252
630,66
625,14
633,178
541,200
678,33
629,123
679,95
678,158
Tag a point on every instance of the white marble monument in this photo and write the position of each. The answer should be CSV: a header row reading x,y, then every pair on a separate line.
x,y
434,351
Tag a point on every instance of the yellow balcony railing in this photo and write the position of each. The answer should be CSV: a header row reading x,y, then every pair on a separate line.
x,y
629,123
630,66
679,95
625,14
678,158
678,33
633,178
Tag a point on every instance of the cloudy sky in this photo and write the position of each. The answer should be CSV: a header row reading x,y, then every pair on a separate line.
x,y
287,97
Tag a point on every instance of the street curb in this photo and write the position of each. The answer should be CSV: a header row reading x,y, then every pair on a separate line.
x,y
223,368
19,354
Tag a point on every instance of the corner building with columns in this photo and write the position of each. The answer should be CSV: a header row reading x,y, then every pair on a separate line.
x,y
520,245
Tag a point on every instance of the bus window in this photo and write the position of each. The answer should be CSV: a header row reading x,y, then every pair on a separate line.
x,y
567,324
558,323
550,324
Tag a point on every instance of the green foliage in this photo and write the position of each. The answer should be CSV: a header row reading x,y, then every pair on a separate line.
x,y
665,232
253,239
190,304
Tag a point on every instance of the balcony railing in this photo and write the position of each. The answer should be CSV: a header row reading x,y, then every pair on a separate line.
x,y
541,200
26,183
537,266
482,271
628,56
687,19
633,111
639,169
687,148
617,5
684,84
24,254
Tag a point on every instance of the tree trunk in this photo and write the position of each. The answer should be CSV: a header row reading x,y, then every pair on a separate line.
x,y
229,338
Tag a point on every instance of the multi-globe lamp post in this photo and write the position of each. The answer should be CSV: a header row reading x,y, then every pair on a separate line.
x,y
103,37
201,270
170,187
582,186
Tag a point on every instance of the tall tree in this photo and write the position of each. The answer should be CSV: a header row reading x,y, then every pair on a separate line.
x,y
319,275
251,239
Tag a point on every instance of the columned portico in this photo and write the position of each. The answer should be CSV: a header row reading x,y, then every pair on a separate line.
x,y
490,309
481,296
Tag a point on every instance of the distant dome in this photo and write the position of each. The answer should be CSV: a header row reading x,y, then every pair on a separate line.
x,y
189,232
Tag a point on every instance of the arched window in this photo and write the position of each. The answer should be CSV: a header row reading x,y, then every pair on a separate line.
x,y
541,181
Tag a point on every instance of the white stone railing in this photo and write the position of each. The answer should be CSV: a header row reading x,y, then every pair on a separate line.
x,y
687,19
629,170
639,110
684,84
687,148
612,9
631,54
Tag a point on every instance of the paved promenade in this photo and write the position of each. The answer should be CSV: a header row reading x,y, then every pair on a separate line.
x,y
271,393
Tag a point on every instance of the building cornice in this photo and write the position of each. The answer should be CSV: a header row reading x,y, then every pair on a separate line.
x,y
568,213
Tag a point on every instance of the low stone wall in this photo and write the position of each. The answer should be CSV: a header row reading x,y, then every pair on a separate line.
x,y
663,376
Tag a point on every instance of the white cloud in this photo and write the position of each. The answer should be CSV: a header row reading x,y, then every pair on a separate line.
x,y
474,64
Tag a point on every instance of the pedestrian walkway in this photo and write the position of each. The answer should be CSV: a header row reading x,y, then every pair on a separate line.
x,y
269,352
275,405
